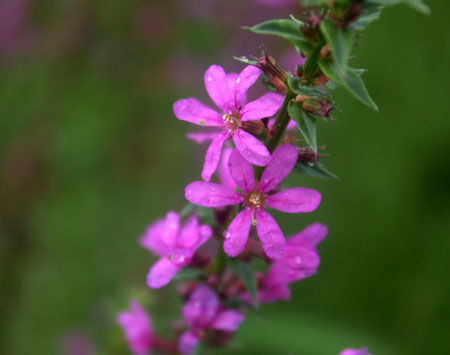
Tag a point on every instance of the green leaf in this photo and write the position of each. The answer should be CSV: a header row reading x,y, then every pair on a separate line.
x,y
419,5
306,124
283,28
247,275
316,170
351,81
190,273
371,12
313,91
245,60
340,41
314,2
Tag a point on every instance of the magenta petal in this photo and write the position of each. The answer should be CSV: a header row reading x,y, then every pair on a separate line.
x,y
241,171
208,194
216,84
161,273
278,292
301,259
223,171
243,82
153,239
137,327
187,343
270,234
351,351
265,106
190,234
171,229
236,235
295,200
201,308
194,111
251,149
213,155
282,163
201,137
239,99
228,320
310,236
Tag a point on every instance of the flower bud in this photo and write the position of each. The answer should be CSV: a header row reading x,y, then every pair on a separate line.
x,y
255,127
275,74
319,107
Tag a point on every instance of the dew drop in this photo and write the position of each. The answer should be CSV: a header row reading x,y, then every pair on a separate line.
x,y
226,234
209,78
298,260
238,80
176,258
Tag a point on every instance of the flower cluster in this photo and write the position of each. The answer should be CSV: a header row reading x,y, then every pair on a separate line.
x,y
253,148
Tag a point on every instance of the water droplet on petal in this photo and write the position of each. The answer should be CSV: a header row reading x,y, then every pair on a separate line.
x,y
176,258
238,80
298,260
226,234
209,78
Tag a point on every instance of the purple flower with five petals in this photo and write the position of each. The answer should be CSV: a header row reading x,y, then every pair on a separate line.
x,y
254,197
301,260
229,97
351,351
138,329
176,248
203,311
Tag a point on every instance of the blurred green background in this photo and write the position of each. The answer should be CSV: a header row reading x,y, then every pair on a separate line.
x,y
90,153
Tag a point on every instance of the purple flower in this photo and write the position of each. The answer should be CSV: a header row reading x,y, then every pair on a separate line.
x,y
138,329
229,96
301,260
254,197
176,248
350,351
203,311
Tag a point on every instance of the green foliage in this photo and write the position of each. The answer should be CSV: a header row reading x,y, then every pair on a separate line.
x,y
283,28
315,170
419,5
306,124
247,275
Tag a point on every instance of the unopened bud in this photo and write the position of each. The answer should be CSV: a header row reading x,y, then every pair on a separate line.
x,y
275,74
319,107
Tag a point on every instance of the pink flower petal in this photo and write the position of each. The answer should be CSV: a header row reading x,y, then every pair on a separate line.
x,y
190,234
236,235
153,239
216,84
239,99
301,259
228,320
282,163
213,155
310,236
279,292
171,229
251,149
201,137
266,106
241,171
295,200
201,308
209,194
351,351
243,82
270,234
223,171
187,343
194,111
161,273
137,327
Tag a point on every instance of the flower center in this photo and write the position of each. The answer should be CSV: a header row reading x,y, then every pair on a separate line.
x,y
255,199
232,121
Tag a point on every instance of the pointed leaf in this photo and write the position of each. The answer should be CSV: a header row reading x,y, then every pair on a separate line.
x,y
247,275
313,91
306,124
190,273
351,81
246,60
316,170
419,5
340,41
283,28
